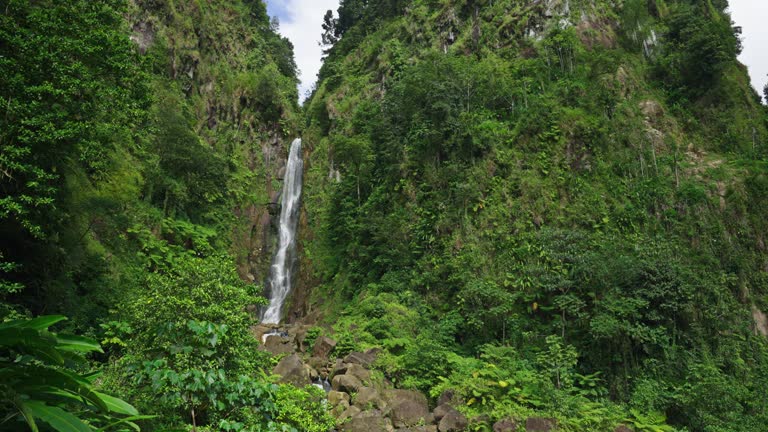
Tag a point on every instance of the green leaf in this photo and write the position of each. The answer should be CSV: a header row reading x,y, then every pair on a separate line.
x,y
31,341
39,323
37,378
59,419
129,421
118,405
43,322
28,415
77,344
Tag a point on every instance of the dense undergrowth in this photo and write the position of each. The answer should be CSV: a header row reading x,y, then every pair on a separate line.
x,y
553,208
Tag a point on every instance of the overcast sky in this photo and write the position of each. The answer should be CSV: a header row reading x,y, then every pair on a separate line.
x,y
752,15
301,20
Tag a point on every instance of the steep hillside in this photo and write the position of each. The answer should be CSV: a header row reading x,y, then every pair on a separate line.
x,y
548,207
164,145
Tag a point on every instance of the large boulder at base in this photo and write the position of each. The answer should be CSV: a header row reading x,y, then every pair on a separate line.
x,y
323,347
430,428
358,372
348,413
452,421
368,397
277,345
409,413
505,425
364,359
346,383
258,331
442,410
292,371
335,397
367,421
342,407
395,396
318,363
622,428
539,424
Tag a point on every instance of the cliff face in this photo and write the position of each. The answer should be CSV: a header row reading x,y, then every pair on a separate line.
x,y
237,78
173,120
590,170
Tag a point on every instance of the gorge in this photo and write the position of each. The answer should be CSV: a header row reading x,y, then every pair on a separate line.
x,y
507,215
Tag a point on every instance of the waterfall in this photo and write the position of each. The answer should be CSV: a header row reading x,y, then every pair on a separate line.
x,y
284,261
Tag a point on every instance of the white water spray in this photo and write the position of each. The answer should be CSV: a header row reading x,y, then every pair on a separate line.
x,y
284,261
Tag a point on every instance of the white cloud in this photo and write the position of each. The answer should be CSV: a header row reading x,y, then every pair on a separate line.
x,y
752,16
304,27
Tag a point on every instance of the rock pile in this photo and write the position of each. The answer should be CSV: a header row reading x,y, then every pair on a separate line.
x,y
362,404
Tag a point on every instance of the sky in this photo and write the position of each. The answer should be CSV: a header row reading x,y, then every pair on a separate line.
x,y
301,21
752,15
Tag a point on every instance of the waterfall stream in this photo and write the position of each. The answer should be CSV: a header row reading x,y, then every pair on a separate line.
x,y
284,261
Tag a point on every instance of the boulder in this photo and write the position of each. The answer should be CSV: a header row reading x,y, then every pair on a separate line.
x,y
346,383
446,397
336,397
505,425
622,428
367,421
369,397
396,396
317,363
314,376
430,428
258,331
277,344
539,424
442,410
358,372
409,413
348,413
340,368
292,370
452,421
323,347
364,359
651,109
340,409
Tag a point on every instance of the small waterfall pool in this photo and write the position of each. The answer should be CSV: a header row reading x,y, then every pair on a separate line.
x,y
284,260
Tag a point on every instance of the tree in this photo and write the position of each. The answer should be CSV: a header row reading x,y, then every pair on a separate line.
x,y
64,104
698,48
330,32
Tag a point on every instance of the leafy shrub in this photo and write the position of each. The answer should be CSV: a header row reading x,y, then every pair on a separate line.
x,y
39,381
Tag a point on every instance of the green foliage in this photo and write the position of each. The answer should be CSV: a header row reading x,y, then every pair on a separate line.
x,y
514,171
192,358
64,105
312,334
40,382
304,409
697,49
